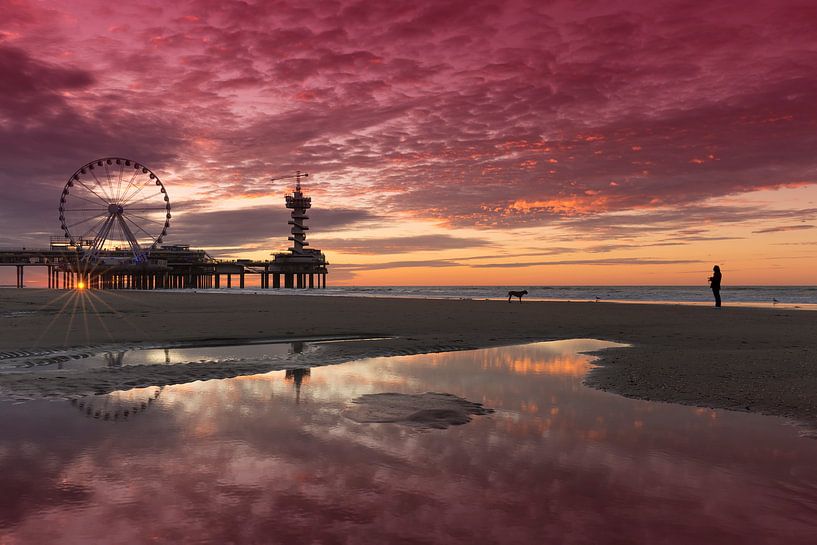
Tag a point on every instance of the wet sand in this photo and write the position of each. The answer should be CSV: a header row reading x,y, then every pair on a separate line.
x,y
758,360
424,411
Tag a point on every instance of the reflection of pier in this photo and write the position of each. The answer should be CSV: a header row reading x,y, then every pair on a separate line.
x,y
114,359
117,359
123,261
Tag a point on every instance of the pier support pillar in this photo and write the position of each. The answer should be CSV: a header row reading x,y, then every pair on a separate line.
x,y
276,280
311,281
241,281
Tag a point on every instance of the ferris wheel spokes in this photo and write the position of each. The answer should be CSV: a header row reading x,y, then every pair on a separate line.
x,y
115,208
132,241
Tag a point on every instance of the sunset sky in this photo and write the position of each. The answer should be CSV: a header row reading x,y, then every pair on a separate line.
x,y
447,142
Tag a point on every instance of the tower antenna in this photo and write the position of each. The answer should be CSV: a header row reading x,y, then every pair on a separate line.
x,y
298,175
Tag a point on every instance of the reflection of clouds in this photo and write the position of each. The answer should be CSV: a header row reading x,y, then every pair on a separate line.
x,y
574,366
237,461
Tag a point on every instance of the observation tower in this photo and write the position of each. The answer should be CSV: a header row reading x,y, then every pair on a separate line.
x,y
301,267
299,205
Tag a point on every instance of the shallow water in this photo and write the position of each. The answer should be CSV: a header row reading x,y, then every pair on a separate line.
x,y
270,459
88,359
214,352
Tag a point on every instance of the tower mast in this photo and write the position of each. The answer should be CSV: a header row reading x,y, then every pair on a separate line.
x,y
299,205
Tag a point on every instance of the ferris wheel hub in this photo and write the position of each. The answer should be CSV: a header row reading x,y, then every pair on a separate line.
x,y
115,209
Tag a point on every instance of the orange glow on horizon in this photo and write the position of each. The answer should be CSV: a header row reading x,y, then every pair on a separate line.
x,y
657,246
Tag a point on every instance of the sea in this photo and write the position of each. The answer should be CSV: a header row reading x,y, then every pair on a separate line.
x,y
756,296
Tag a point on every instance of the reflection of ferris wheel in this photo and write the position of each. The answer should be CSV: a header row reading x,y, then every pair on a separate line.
x,y
115,204
118,405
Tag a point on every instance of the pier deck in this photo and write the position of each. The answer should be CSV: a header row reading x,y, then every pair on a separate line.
x,y
164,268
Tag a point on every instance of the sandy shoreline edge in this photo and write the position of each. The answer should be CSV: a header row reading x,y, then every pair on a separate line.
x,y
747,359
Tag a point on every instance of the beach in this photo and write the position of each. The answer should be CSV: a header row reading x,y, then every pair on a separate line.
x,y
746,359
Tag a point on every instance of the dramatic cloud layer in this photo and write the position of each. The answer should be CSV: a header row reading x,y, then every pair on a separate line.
x,y
398,245
597,121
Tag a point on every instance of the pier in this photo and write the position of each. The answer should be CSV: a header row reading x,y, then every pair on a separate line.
x,y
119,252
165,268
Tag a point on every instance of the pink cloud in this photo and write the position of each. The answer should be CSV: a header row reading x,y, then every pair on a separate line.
x,y
524,112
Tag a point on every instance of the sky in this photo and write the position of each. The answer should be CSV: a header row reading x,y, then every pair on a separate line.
x,y
473,142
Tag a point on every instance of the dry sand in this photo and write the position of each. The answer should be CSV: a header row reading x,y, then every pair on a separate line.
x,y
759,360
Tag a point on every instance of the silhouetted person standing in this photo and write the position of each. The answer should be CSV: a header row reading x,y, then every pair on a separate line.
x,y
715,284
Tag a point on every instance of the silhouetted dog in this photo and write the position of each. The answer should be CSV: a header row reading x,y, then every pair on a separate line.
x,y
517,294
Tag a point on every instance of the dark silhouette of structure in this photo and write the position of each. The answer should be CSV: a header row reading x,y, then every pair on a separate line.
x,y
301,266
115,213
715,284
298,376
517,294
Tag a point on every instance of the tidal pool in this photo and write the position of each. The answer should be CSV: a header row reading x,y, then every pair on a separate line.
x,y
271,459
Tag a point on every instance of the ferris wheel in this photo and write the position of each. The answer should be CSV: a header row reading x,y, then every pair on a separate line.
x,y
114,204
